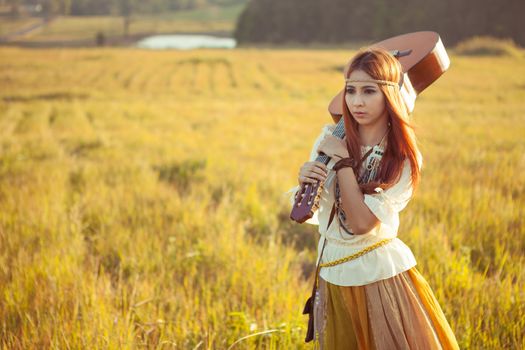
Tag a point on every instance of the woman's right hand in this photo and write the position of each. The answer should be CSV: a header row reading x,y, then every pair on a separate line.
x,y
312,172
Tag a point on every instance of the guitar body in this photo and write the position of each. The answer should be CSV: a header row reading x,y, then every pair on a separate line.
x,y
423,59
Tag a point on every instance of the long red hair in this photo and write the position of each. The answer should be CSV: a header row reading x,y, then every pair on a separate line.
x,y
401,140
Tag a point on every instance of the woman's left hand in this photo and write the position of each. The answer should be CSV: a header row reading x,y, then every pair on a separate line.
x,y
333,146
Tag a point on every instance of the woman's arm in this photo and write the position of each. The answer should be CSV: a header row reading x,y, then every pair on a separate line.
x,y
359,217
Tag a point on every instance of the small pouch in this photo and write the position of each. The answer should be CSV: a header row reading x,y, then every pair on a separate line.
x,y
309,309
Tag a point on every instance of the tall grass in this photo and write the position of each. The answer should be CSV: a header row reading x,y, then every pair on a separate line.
x,y
142,206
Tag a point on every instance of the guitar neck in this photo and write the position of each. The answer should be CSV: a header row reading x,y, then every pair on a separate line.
x,y
339,131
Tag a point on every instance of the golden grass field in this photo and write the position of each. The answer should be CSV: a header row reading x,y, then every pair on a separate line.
x,y
142,197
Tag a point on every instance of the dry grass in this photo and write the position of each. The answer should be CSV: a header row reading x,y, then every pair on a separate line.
x,y
488,46
141,197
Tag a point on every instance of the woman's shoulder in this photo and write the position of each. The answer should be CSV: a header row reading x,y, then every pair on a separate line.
x,y
327,129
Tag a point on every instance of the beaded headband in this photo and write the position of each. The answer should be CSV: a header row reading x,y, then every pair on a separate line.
x,y
386,82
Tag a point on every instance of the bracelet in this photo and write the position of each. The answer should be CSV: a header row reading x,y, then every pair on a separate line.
x,y
344,163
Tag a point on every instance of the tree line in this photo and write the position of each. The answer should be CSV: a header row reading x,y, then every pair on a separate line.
x,y
111,7
334,21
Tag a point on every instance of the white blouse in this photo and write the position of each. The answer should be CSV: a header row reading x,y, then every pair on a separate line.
x,y
384,262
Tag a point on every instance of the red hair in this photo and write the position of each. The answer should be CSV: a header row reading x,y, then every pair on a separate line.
x,y
401,140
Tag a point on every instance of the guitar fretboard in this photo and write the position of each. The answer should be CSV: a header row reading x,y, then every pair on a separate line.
x,y
339,131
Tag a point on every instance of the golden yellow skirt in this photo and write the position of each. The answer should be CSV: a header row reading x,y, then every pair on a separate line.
x,y
400,312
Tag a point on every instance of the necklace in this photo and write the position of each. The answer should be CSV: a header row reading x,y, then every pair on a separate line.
x,y
368,173
381,140
370,166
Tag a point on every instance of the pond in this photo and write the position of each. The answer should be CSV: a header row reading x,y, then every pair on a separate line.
x,y
186,42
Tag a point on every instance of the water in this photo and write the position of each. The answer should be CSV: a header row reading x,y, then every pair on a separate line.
x,y
185,42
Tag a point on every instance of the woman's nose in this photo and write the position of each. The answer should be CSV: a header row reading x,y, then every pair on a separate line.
x,y
357,100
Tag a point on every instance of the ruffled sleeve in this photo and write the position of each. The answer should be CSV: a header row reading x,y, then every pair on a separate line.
x,y
386,204
327,129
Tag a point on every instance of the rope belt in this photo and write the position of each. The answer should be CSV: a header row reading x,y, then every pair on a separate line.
x,y
356,255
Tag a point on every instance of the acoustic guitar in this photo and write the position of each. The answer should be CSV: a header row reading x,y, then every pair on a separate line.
x,y
423,59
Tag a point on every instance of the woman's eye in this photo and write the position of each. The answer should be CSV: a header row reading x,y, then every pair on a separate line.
x,y
368,91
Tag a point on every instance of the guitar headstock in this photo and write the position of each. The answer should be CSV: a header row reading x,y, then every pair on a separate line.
x,y
306,201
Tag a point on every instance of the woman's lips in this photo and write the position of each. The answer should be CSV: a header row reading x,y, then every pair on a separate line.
x,y
360,114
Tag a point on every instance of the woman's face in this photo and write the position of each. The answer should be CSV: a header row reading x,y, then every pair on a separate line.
x,y
365,100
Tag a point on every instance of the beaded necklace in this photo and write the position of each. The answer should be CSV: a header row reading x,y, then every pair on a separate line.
x,y
368,172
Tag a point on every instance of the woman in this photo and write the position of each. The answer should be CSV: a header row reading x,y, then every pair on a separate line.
x,y
370,295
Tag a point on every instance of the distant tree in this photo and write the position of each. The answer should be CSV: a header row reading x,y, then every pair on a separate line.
x,y
126,9
92,7
14,7
280,21
56,7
